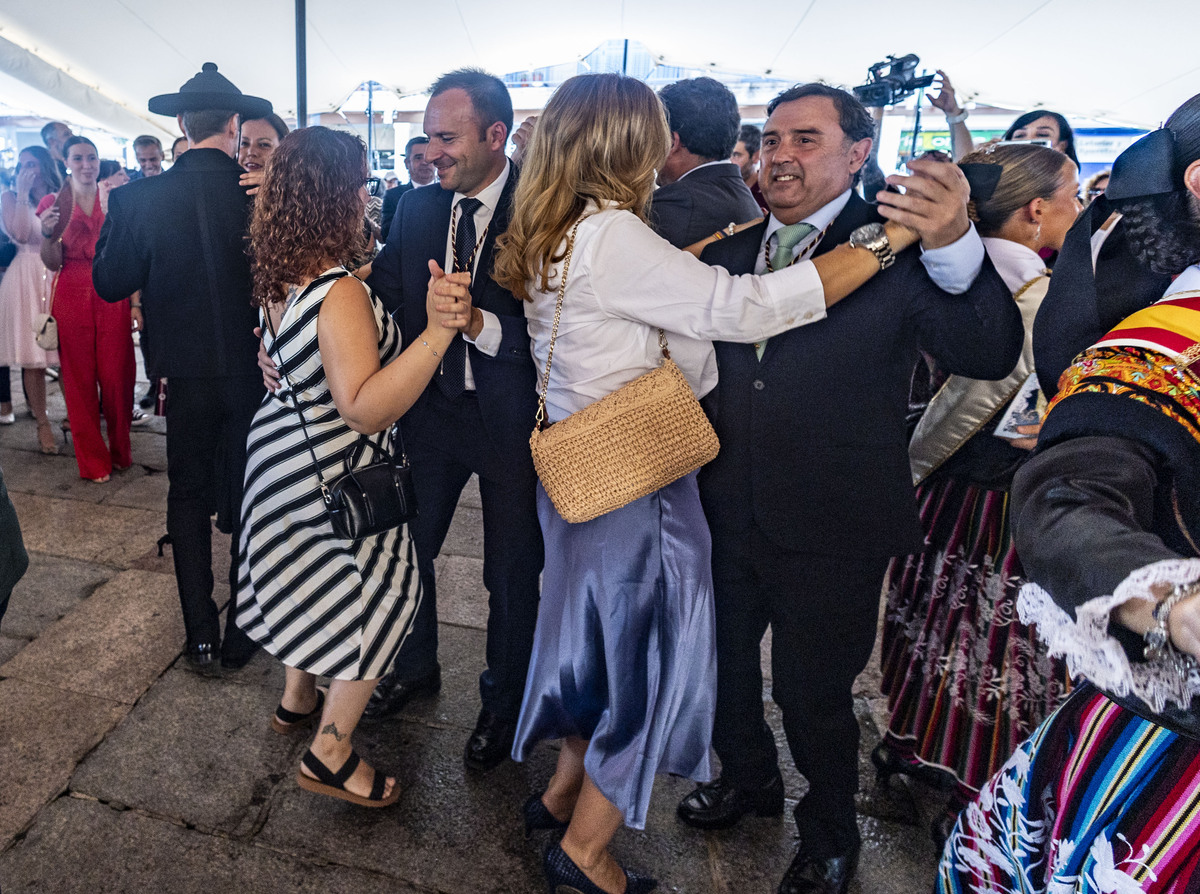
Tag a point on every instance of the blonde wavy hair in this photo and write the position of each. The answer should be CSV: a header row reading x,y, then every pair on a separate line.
x,y
601,139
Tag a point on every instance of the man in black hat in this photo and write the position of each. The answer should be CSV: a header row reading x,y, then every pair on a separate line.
x,y
180,239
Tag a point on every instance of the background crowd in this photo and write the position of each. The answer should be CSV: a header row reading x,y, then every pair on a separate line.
x,y
875,354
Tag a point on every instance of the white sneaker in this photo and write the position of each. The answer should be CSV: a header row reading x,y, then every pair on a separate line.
x,y
8,418
139,418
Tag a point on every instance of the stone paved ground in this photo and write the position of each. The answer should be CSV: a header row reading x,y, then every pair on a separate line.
x,y
123,771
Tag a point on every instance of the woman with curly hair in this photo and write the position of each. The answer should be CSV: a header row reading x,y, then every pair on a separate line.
x,y
323,605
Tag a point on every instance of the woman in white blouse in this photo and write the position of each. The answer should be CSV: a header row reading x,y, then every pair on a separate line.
x,y
623,667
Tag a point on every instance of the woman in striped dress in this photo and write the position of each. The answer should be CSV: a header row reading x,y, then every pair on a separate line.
x,y
323,605
1105,795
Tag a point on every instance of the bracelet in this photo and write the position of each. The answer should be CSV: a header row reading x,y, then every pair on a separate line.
x,y
431,350
136,306
959,118
1158,638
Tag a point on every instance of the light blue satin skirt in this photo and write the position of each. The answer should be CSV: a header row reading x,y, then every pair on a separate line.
x,y
625,654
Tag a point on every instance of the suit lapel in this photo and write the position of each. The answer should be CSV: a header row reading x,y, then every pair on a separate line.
x,y
498,225
854,215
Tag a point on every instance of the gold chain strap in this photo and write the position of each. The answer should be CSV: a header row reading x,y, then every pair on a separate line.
x,y
562,290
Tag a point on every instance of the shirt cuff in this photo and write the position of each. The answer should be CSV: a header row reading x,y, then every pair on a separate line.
x,y
954,267
489,337
799,296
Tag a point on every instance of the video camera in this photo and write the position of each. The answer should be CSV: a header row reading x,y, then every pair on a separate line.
x,y
891,81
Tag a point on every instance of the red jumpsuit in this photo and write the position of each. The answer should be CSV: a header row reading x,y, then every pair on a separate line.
x,y
95,343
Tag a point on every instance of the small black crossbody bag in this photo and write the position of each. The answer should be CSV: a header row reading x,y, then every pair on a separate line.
x,y
369,500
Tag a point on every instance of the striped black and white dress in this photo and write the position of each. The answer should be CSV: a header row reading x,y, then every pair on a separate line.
x,y
329,606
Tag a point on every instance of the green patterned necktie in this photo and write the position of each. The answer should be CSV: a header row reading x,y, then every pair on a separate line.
x,y
786,239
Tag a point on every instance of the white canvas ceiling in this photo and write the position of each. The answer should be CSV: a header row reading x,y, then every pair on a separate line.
x,y
1114,60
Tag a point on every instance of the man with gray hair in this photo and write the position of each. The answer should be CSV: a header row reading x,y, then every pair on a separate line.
x,y
149,154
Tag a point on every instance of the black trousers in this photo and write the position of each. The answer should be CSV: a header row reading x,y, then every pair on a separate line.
x,y
443,458
208,420
822,611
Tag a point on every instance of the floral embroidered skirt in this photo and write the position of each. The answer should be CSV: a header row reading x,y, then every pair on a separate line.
x,y
966,681
1096,800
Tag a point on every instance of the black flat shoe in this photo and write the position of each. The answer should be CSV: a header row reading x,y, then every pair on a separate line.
x,y
564,877
490,743
391,694
889,762
819,875
720,804
538,817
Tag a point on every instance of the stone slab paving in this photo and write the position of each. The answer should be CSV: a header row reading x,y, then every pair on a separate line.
x,y
122,770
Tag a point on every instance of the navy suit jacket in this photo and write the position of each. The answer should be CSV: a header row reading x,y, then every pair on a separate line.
x,y
180,237
813,438
696,206
505,384
391,199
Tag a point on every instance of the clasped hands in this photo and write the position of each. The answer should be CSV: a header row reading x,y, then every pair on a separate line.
x,y
448,307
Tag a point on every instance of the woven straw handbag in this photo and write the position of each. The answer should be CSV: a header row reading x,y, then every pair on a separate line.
x,y
631,443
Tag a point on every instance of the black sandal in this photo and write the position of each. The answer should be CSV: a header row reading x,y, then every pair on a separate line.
x,y
334,784
285,721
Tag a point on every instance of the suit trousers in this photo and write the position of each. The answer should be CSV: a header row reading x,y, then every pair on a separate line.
x,y
822,611
208,420
449,445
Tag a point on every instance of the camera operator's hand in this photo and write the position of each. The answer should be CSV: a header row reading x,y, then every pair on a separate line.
x,y
934,201
520,139
944,99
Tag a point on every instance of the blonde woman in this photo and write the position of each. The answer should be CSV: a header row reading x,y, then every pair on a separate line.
x,y
623,668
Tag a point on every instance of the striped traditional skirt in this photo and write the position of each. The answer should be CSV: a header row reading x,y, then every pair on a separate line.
x,y
966,681
1097,800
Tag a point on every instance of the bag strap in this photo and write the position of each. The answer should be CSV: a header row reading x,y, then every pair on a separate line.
x,y
319,281
562,290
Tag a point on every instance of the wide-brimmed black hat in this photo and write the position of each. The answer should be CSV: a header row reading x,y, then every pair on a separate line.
x,y
209,90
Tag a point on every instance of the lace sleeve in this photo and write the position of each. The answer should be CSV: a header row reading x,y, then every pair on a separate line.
x,y
1090,651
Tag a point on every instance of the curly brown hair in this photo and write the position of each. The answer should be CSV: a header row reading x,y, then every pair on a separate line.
x,y
308,213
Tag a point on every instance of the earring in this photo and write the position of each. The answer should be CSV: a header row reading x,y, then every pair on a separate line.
x,y
1037,237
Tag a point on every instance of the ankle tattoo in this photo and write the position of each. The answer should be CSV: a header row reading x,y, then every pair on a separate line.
x,y
332,730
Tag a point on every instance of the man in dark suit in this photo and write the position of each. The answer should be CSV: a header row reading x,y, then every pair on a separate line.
x,y
699,190
477,413
811,492
420,173
180,239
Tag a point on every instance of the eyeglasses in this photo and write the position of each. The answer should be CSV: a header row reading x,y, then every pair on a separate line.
x,y
374,186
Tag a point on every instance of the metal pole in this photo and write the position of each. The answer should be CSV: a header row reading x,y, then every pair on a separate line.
x,y
371,123
917,122
625,58
301,66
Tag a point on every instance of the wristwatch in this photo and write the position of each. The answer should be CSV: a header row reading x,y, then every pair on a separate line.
x,y
873,237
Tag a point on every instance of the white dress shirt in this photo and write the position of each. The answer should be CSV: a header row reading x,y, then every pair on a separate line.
x,y
624,282
488,340
1187,281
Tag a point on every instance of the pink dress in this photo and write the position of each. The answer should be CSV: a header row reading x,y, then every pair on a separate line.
x,y
24,293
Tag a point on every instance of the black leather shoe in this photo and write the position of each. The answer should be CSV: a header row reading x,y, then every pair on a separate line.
x,y
237,650
812,875
490,743
889,762
391,695
720,804
201,656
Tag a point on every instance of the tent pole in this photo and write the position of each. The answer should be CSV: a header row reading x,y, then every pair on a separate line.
x,y
301,66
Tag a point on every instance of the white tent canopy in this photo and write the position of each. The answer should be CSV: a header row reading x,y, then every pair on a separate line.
x,y
1104,59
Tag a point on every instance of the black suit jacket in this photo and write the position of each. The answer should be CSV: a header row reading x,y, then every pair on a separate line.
x,y
391,199
813,438
505,384
181,239
696,206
